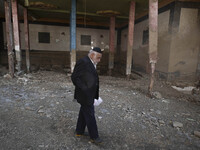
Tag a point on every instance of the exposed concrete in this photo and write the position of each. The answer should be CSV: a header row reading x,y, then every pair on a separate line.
x,y
26,31
59,37
9,36
130,38
111,44
73,59
163,42
184,48
153,40
16,35
178,38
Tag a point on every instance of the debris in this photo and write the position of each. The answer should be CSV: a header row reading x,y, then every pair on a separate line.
x,y
157,95
161,121
196,91
165,101
190,119
100,117
186,90
40,109
7,76
22,80
177,124
158,112
197,133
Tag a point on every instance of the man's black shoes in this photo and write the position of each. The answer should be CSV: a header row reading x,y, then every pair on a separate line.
x,y
96,141
81,134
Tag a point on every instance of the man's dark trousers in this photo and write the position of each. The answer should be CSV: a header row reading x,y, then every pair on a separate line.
x,y
87,117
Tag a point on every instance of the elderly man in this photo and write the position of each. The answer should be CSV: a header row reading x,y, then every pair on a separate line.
x,y
86,81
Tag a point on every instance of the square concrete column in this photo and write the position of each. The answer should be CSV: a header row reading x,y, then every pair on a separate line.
x,y
16,35
153,39
26,32
9,36
130,38
111,44
73,35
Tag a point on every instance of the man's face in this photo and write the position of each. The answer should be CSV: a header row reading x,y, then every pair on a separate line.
x,y
96,57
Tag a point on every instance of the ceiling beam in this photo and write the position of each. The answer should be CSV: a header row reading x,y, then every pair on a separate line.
x,y
68,12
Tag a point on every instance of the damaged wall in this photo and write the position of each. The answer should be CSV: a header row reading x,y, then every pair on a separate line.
x,y
140,44
178,42
184,47
60,37
56,53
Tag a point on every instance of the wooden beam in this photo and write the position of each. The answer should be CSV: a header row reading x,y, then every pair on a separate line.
x,y
78,12
160,5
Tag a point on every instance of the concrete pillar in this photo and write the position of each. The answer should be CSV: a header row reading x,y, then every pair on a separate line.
x,y
16,35
130,38
1,35
153,39
198,65
9,36
111,44
26,32
73,35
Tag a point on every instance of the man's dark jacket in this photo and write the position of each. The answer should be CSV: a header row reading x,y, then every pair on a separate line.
x,y
86,81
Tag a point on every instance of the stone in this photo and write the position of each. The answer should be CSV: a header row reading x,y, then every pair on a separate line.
x,y
161,122
157,95
197,133
29,108
41,111
7,76
158,112
34,68
57,67
177,124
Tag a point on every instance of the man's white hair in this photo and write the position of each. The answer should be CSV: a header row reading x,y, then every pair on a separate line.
x,y
91,51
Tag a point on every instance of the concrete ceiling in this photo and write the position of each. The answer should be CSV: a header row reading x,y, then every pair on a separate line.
x,y
87,10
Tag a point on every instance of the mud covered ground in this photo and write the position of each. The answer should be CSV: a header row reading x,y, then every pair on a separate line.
x,y
37,112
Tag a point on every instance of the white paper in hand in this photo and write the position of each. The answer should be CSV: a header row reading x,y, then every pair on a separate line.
x,y
98,102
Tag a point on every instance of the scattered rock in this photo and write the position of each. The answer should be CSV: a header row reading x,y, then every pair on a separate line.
x,y
158,112
57,67
197,133
29,108
23,80
186,90
3,70
157,95
196,91
151,110
161,121
19,73
67,70
34,68
41,111
7,76
177,124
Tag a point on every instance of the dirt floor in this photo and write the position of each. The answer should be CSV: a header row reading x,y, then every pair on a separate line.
x,y
37,112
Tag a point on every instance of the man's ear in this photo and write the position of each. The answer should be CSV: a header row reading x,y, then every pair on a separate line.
x,y
92,55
